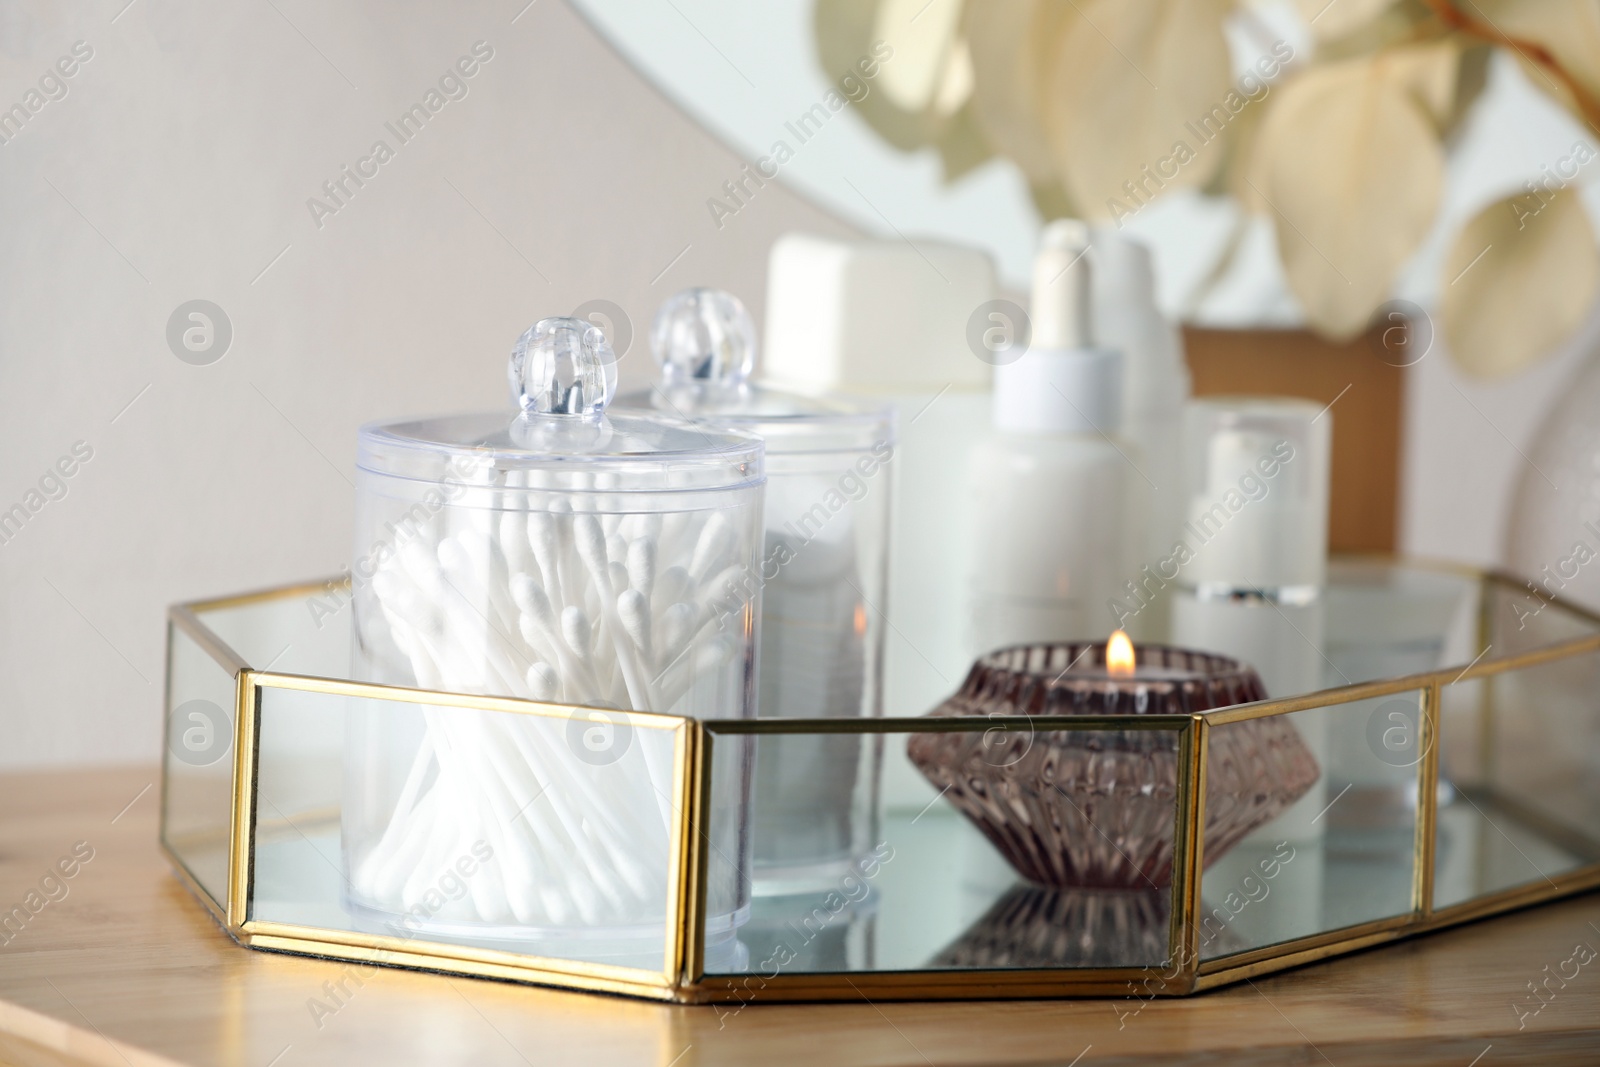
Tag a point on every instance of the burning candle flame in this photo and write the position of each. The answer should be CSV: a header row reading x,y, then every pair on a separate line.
x,y
1119,655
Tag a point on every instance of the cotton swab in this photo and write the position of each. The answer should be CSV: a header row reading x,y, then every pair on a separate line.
x,y
548,605
545,575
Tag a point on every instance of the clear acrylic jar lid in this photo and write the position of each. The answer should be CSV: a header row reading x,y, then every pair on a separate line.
x,y
564,439
704,342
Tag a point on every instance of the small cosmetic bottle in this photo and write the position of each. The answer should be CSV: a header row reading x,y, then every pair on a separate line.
x,y
1049,492
1256,539
822,576
1257,546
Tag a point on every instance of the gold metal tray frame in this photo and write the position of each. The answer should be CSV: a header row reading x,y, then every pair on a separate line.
x,y
684,980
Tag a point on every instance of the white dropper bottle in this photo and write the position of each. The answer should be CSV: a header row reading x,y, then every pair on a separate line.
x,y
1049,491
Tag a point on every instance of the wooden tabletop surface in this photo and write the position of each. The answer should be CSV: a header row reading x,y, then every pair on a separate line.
x,y
126,968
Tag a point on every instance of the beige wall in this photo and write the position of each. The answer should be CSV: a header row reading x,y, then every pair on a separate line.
x,y
190,143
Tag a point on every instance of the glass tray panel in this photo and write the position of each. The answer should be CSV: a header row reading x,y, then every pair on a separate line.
x,y
1526,809
308,633
1341,855
936,891
459,825
197,776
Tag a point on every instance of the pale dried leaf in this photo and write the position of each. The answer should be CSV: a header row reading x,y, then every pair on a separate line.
x,y
1335,18
1398,24
1570,29
846,31
1011,43
1127,77
923,34
1351,168
1518,281
1428,73
956,83
1275,70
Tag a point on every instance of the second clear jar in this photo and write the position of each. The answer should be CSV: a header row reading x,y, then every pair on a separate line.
x,y
822,581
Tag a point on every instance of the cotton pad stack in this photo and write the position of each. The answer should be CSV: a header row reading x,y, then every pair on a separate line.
x,y
559,555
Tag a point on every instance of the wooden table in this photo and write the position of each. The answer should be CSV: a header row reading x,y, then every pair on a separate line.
x,y
126,969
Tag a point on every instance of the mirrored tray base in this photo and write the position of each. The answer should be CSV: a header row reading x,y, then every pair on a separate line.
x,y
1459,778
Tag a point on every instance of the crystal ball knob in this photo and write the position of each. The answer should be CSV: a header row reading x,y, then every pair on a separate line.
x,y
704,337
562,366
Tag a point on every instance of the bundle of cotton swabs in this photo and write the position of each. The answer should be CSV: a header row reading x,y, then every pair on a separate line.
x,y
583,608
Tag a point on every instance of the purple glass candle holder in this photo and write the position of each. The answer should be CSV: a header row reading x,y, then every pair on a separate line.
x,y
1095,808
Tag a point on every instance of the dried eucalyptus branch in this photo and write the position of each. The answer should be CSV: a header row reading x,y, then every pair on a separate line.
x,y
1533,51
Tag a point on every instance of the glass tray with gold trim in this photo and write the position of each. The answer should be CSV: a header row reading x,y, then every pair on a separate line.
x,y
1462,780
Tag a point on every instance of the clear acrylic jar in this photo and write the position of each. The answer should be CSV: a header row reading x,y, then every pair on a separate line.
x,y
558,553
822,578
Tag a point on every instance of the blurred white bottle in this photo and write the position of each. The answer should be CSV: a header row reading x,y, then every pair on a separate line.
x,y
1049,491
1155,384
1257,537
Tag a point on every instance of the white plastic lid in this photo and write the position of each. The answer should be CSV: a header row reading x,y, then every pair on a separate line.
x,y
1060,385
874,316
705,343
562,374
1257,478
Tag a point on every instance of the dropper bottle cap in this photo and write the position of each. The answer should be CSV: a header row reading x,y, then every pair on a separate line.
x,y
1062,293
1061,384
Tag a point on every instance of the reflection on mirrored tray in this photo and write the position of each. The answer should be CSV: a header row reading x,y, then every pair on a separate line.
x,y
935,895
1486,846
943,899
1026,926
1385,620
1281,885
1343,853
1522,757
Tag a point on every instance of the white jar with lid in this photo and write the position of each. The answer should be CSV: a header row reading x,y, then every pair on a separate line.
x,y
556,553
